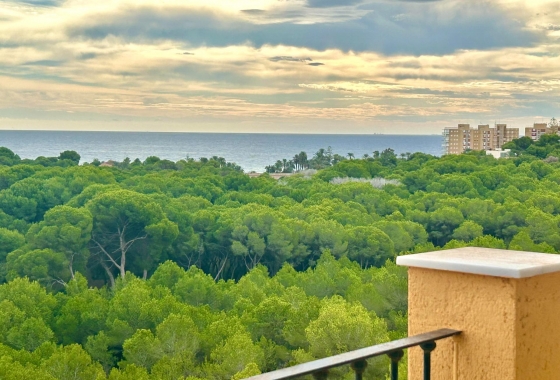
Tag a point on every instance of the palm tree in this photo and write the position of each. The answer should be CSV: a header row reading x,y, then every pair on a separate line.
x,y
304,163
291,166
320,153
337,158
329,156
350,156
295,160
319,160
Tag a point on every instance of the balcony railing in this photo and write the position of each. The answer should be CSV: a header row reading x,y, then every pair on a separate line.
x,y
357,359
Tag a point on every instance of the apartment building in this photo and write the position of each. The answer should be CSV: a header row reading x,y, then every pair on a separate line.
x,y
463,137
538,129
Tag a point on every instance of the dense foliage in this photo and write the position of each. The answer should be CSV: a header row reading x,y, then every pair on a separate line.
x,y
184,324
160,269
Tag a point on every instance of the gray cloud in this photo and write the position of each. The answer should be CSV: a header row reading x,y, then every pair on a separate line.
x,y
178,23
253,11
44,62
331,3
289,59
43,3
467,26
85,56
316,64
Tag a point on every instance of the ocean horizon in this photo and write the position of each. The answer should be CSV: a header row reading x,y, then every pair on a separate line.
x,y
252,151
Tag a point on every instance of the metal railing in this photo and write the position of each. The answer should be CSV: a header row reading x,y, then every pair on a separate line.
x,y
357,359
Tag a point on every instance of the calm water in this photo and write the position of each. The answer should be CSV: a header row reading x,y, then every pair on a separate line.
x,y
251,151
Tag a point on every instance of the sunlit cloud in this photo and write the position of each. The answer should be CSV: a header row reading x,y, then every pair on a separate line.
x,y
350,62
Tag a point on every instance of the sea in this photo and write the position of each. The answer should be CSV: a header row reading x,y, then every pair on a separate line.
x,y
252,151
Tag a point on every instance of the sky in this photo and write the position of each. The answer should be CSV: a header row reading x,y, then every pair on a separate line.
x,y
278,66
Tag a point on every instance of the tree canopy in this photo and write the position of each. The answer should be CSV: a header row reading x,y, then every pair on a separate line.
x,y
194,270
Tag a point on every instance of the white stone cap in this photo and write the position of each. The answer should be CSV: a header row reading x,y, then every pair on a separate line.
x,y
485,261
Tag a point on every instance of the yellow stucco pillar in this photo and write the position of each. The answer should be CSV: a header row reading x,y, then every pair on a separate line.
x,y
506,303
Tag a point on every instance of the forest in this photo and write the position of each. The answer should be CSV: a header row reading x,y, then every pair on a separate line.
x,y
193,270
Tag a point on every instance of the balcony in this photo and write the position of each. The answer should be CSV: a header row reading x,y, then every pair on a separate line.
x,y
357,359
492,312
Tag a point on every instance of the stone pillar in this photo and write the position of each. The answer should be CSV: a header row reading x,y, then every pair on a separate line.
x,y
506,303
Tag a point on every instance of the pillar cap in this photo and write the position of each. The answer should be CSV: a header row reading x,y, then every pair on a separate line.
x,y
485,261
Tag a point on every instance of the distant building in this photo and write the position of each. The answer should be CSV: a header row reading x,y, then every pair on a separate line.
x,y
109,164
458,139
499,153
538,129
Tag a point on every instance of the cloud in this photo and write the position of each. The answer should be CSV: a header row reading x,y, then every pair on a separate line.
x,y
46,3
44,62
402,27
254,11
246,76
331,3
353,62
154,101
289,59
90,55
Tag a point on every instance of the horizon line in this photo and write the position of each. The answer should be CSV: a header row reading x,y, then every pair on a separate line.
x,y
219,133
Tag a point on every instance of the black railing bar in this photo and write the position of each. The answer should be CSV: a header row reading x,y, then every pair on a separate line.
x,y
352,356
